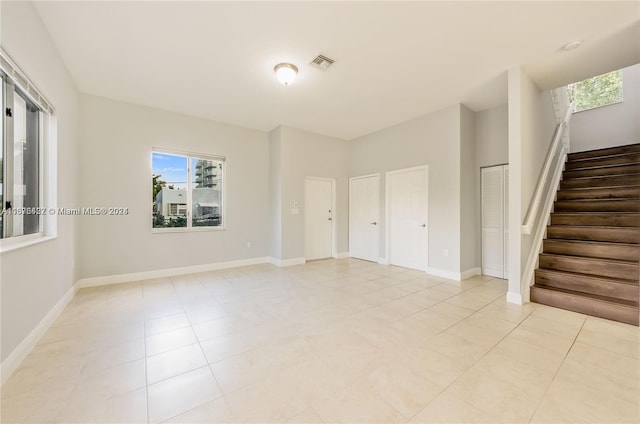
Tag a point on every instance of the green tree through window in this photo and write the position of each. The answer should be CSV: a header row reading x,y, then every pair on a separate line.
x,y
602,90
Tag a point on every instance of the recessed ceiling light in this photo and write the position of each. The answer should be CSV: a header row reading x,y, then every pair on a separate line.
x,y
286,73
572,45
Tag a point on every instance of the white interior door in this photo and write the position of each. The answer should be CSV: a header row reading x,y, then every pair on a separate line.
x,y
318,218
364,217
407,209
494,221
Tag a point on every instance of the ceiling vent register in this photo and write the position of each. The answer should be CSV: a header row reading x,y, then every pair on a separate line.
x,y
322,62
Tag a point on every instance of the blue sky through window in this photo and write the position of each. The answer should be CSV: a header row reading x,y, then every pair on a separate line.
x,y
172,168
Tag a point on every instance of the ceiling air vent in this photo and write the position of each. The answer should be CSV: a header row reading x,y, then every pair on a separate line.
x,y
322,62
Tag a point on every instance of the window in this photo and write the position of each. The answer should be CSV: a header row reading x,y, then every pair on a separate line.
x,y
187,191
603,90
20,161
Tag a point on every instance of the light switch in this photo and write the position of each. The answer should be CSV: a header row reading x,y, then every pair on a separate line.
x,y
295,211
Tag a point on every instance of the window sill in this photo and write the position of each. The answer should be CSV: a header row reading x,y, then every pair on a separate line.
x,y
170,230
8,245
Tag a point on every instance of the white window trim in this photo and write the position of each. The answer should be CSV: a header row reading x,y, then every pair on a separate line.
x,y
47,161
189,228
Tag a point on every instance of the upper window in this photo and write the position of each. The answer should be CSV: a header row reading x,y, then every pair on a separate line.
x,y
603,90
20,181
187,190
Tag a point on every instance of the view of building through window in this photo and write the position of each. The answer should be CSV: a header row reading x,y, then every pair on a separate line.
x,y
602,90
186,191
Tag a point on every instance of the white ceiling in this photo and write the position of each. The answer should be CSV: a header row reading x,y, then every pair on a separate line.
x,y
394,60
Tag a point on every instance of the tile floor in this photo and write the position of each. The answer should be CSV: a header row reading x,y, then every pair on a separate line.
x,y
329,341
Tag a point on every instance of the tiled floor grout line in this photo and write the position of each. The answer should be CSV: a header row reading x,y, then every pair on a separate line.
x,y
555,375
475,363
207,361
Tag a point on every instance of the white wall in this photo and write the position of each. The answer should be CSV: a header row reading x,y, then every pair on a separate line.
x,y
469,259
306,154
532,124
612,125
538,127
275,193
432,140
35,278
115,161
492,139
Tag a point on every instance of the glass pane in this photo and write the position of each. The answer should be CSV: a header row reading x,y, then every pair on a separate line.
x,y
26,193
602,90
206,183
2,157
169,190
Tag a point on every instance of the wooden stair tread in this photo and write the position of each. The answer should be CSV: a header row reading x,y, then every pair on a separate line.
x,y
634,283
605,151
591,242
604,299
586,258
599,298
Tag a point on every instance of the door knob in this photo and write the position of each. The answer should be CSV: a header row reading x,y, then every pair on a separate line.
x,y
374,223
329,219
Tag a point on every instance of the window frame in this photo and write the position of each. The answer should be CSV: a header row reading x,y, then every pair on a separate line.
x,y
223,196
574,104
13,82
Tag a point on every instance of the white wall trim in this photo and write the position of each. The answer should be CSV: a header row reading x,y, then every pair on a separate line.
x,y
470,273
457,276
514,298
15,358
343,255
383,261
444,273
168,272
286,262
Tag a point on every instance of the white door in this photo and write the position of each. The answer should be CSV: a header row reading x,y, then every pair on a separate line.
x,y
364,217
494,221
407,210
318,216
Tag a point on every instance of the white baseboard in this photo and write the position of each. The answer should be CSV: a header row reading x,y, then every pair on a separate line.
x,y
168,272
444,273
383,261
470,273
15,358
286,262
452,275
342,255
514,298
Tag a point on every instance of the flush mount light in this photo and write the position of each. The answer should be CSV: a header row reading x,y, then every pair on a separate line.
x,y
286,73
572,45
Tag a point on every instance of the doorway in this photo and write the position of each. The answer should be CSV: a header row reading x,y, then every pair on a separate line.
x,y
319,194
495,223
407,217
364,217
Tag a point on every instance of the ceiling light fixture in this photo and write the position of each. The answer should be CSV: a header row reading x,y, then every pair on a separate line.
x,y
286,73
572,45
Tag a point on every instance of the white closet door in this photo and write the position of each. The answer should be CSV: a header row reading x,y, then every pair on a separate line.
x,y
407,198
493,211
364,217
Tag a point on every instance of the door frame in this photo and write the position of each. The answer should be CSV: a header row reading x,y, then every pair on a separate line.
x,y
387,207
351,179
334,230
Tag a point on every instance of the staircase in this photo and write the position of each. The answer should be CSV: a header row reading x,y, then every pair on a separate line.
x,y
591,256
